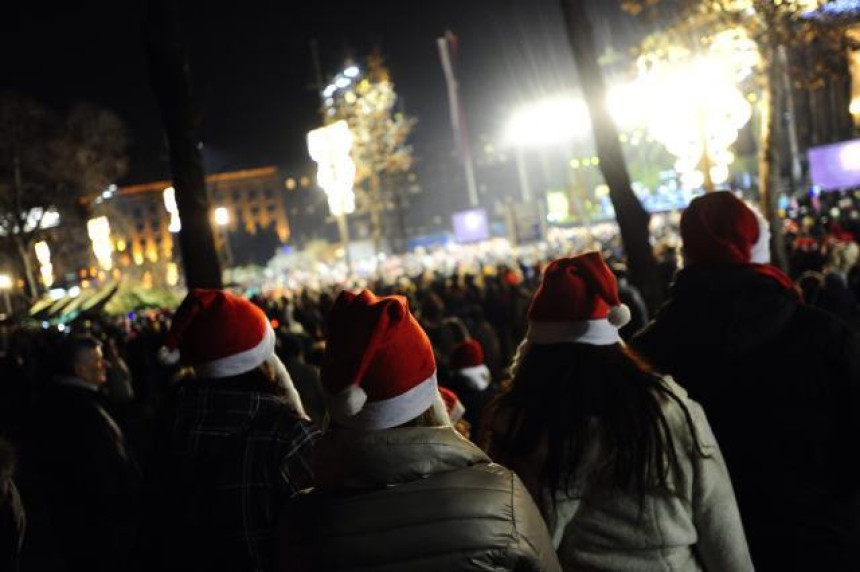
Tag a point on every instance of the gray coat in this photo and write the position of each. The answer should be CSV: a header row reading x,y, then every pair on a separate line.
x,y
413,499
698,528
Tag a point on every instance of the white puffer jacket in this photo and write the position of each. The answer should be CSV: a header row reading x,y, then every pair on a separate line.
x,y
698,528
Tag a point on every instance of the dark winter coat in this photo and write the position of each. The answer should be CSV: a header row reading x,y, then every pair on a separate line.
x,y
91,479
229,454
12,517
413,499
780,382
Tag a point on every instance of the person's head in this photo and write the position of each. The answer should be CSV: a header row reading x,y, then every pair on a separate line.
x,y
82,358
571,369
221,336
811,284
457,329
378,371
719,228
292,346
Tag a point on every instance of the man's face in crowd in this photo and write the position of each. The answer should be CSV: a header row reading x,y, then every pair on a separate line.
x,y
91,366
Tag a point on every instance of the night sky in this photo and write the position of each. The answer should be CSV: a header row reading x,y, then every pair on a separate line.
x,y
252,69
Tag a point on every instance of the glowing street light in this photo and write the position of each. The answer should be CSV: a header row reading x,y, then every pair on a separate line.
x,y
222,216
351,72
548,122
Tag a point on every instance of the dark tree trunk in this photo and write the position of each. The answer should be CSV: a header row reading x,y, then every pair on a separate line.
x,y
632,218
170,79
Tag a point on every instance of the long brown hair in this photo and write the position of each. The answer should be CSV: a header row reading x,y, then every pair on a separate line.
x,y
559,390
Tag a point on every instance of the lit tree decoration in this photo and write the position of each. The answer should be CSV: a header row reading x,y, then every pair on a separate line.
x,y
367,102
692,105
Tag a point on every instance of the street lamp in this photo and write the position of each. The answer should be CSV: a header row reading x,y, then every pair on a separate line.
x,y
330,148
222,216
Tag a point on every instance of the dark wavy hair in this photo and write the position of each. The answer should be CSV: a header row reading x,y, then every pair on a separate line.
x,y
557,392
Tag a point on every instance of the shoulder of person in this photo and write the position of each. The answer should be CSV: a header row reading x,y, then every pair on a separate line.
x,y
820,326
684,415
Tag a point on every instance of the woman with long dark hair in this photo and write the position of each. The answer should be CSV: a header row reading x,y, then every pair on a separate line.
x,y
622,464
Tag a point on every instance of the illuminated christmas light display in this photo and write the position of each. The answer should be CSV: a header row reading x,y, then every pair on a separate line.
x,y
330,148
98,230
169,195
692,105
46,269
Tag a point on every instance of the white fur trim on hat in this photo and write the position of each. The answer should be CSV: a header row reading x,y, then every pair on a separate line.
x,y
594,332
388,413
457,412
619,316
348,402
477,377
167,356
760,252
241,362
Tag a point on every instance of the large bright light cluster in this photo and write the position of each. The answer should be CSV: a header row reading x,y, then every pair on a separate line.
x,y
694,106
549,122
330,148
690,103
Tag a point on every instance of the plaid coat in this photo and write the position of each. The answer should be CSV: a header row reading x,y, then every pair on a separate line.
x,y
229,454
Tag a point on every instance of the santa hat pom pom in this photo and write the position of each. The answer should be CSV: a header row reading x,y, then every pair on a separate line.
x,y
166,356
349,401
619,315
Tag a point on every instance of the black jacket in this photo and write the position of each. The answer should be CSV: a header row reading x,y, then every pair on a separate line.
x,y
229,454
780,382
91,479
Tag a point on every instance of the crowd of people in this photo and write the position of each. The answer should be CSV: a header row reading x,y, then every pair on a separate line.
x,y
531,414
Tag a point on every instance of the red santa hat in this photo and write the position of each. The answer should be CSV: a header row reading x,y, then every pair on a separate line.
x,y
466,354
378,370
467,360
222,335
577,302
453,405
719,228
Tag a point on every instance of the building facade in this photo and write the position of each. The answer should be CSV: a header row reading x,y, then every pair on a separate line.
x,y
144,219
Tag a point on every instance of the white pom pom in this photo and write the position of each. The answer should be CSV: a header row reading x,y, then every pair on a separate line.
x,y
348,402
167,356
619,315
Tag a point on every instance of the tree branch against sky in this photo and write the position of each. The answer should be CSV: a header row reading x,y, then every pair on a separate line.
x,y
51,165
